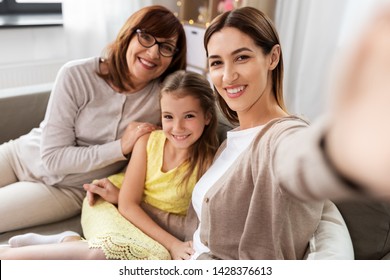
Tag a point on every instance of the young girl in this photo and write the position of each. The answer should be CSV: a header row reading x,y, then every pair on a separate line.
x,y
162,172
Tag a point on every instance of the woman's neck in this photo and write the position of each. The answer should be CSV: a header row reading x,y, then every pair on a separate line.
x,y
263,111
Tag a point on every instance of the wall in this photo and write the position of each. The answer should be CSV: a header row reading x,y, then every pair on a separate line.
x,y
23,48
267,6
34,55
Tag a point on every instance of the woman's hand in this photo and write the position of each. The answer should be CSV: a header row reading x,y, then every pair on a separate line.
x,y
181,250
358,142
104,188
133,131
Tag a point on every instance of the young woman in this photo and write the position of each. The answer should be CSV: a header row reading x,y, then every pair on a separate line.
x,y
92,121
162,172
263,196
263,219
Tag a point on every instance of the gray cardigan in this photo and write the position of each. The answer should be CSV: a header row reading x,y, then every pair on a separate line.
x,y
79,139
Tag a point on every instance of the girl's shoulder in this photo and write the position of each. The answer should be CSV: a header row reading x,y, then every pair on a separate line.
x,y
156,140
157,135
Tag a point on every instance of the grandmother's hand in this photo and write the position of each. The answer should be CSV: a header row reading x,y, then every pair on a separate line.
x,y
134,131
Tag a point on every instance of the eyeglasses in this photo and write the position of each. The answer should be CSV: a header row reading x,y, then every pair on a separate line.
x,y
148,41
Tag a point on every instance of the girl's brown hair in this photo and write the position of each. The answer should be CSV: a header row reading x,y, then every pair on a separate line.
x,y
181,84
260,28
157,21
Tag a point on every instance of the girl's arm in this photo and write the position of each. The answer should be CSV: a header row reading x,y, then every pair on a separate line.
x,y
130,198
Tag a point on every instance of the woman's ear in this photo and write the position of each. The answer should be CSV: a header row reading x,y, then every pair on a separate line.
x,y
274,57
208,117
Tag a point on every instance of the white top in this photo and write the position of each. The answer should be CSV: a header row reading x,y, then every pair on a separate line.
x,y
237,142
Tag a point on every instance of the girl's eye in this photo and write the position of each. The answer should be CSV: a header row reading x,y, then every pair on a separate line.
x,y
167,117
189,116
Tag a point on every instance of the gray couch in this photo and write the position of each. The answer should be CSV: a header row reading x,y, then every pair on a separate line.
x,y
22,109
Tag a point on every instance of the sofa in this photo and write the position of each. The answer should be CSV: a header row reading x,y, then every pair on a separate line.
x,y
22,109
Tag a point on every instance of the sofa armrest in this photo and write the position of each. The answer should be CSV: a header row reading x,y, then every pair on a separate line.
x,y
22,109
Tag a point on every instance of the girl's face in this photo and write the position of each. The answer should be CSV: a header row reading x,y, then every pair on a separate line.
x,y
183,119
239,69
146,64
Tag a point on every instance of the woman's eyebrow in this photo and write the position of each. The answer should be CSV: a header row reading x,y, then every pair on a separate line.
x,y
233,52
241,50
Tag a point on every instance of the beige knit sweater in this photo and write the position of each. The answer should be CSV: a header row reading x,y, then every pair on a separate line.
x,y
268,204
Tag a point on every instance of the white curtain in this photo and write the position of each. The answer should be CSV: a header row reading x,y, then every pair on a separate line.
x,y
91,24
311,33
308,32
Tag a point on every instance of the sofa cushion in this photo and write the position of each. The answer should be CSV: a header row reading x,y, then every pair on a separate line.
x,y
368,223
53,228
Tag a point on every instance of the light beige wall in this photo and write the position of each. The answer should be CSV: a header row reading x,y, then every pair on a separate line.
x,y
267,6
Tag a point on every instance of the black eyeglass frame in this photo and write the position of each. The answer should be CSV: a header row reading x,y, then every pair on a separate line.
x,y
140,32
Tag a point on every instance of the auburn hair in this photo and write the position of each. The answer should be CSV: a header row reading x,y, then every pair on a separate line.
x,y
157,21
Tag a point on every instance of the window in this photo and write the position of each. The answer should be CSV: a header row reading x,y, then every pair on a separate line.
x,y
30,13
10,7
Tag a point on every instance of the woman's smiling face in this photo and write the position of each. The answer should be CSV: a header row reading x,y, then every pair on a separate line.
x,y
238,69
146,64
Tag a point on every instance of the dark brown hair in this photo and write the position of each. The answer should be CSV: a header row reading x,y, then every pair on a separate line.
x,y
159,22
201,154
260,28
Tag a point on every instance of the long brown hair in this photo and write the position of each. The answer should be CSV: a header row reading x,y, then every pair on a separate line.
x,y
260,28
201,154
159,22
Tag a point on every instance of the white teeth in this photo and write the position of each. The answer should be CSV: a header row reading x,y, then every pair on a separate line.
x,y
178,137
147,63
235,90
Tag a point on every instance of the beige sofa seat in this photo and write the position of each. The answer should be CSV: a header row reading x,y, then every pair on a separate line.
x,y
22,109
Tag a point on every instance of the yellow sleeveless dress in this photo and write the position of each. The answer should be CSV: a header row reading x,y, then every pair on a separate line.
x,y
105,228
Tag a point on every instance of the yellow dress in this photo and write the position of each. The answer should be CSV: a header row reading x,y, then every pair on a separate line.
x,y
105,228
